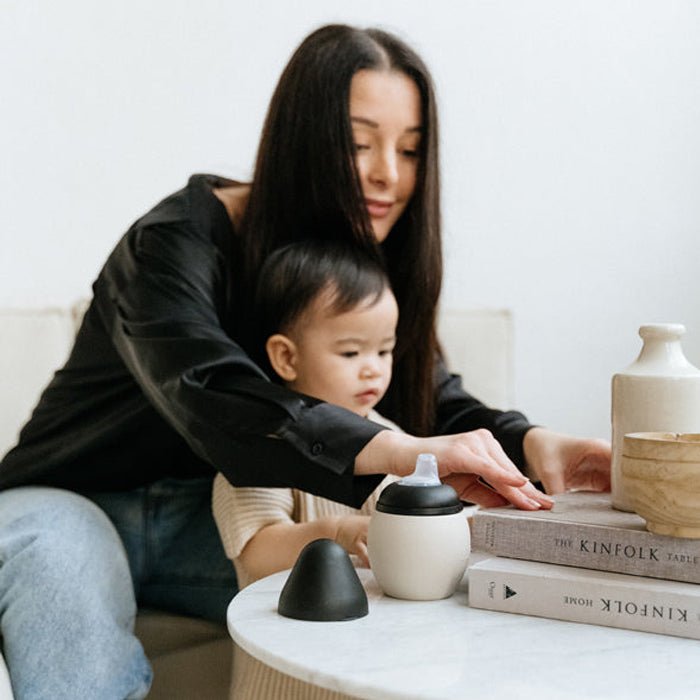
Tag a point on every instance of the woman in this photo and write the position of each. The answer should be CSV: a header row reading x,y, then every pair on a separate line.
x,y
162,383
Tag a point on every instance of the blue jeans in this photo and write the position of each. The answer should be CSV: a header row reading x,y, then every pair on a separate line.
x,y
73,570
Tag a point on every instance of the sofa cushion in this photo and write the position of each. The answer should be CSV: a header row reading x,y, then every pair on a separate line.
x,y
191,658
34,344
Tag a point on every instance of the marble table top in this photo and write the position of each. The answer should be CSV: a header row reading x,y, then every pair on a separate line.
x,y
445,649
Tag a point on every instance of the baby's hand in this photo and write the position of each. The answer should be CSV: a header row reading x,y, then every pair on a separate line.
x,y
352,536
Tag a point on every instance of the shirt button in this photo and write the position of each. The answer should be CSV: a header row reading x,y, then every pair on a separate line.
x,y
317,448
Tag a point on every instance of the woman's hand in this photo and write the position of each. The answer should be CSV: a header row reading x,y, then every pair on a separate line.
x,y
473,463
564,463
351,535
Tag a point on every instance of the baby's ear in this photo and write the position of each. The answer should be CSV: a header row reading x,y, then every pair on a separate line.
x,y
282,353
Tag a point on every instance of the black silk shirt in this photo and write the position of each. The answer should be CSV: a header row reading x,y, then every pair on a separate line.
x,y
156,387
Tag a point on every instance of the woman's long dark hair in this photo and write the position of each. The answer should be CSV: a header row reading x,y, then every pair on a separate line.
x,y
306,186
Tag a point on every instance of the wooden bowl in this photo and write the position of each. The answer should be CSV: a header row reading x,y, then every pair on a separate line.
x,y
661,478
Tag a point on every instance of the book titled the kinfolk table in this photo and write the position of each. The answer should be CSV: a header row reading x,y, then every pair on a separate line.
x,y
584,530
585,595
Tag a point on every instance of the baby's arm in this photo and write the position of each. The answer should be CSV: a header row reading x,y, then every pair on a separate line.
x,y
276,547
261,535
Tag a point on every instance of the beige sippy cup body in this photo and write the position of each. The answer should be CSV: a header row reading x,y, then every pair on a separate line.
x,y
418,537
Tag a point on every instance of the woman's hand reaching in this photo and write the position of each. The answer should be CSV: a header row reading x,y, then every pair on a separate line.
x,y
473,463
565,463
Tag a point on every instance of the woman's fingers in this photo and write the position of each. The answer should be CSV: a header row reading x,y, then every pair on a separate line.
x,y
498,455
499,480
481,472
463,459
469,488
527,497
480,453
535,494
562,462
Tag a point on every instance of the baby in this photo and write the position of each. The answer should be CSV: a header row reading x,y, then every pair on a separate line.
x,y
329,318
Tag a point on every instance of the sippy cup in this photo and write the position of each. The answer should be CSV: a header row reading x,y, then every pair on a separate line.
x,y
418,539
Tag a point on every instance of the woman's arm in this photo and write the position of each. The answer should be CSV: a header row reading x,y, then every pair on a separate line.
x,y
465,461
161,297
484,445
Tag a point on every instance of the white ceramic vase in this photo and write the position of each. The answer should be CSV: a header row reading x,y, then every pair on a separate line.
x,y
659,392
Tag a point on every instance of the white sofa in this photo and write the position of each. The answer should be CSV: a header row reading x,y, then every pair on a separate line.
x,y
191,658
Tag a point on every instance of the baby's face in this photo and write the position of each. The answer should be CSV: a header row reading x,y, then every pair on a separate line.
x,y
346,358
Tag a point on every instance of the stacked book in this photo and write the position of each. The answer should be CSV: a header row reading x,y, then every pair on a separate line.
x,y
583,561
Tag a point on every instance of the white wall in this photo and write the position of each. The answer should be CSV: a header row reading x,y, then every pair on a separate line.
x,y
570,144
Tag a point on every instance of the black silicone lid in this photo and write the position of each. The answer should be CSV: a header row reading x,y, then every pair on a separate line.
x,y
407,499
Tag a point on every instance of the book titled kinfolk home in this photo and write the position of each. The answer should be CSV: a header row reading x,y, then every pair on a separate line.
x,y
584,595
584,530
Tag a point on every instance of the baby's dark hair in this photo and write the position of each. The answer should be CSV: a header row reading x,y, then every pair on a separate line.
x,y
293,276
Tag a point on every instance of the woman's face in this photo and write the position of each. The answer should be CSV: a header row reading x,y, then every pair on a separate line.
x,y
385,113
